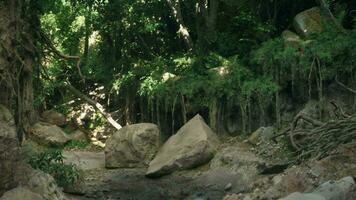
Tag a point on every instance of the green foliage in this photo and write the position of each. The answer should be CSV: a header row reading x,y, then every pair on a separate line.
x,y
132,49
51,162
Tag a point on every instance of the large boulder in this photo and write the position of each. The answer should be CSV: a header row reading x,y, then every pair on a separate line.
x,y
193,145
54,117
48,134
21,193
132,146
9,151
308,22
40,183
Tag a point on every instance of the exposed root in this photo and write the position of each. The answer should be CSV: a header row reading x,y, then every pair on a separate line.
x,y
318,141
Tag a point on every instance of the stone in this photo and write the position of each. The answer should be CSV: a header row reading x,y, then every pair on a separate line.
x,y
77,188
232,197
238,159
262,134
85,160
193,145
44,185
336,190
331,190
48,134
6,116
308,22
300,196
54,117
78,135
293,180
291,39
228,186
132,146
9,151
21,193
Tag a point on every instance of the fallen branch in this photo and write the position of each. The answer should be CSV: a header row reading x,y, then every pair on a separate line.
x,y
294,124
338,110
318,141
95,104
344,86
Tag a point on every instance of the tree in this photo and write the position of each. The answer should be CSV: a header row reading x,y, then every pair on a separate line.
x,y
18,52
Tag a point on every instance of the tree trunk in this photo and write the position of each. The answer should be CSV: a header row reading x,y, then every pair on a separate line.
x,y
206,13
17,58
183,31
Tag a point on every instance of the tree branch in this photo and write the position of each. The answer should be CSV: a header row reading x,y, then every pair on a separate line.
x,y
52,48
95,104
344,86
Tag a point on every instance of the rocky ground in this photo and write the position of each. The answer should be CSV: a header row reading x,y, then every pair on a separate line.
x,y
206,182
231,175
193,165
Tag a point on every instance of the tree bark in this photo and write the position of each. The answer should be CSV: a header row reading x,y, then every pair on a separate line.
x,y
17,58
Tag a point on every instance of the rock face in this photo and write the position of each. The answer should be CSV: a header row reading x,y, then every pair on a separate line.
x,y
54,117
308,22
132,146
48,134
21,193
193,145
9,151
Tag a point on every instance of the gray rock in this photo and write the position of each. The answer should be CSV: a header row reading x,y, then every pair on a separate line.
x,y
228,187
9,151
6,116
262,134
193,145
336,190
78,135
44,185
308,22
132,146
48,134
238,159
85,160
291,39
300,196
54,117
21,193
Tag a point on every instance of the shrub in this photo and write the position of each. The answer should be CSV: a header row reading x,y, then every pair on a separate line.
x,y
51,162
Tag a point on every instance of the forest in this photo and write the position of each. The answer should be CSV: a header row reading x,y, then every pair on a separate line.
x,y
178,99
